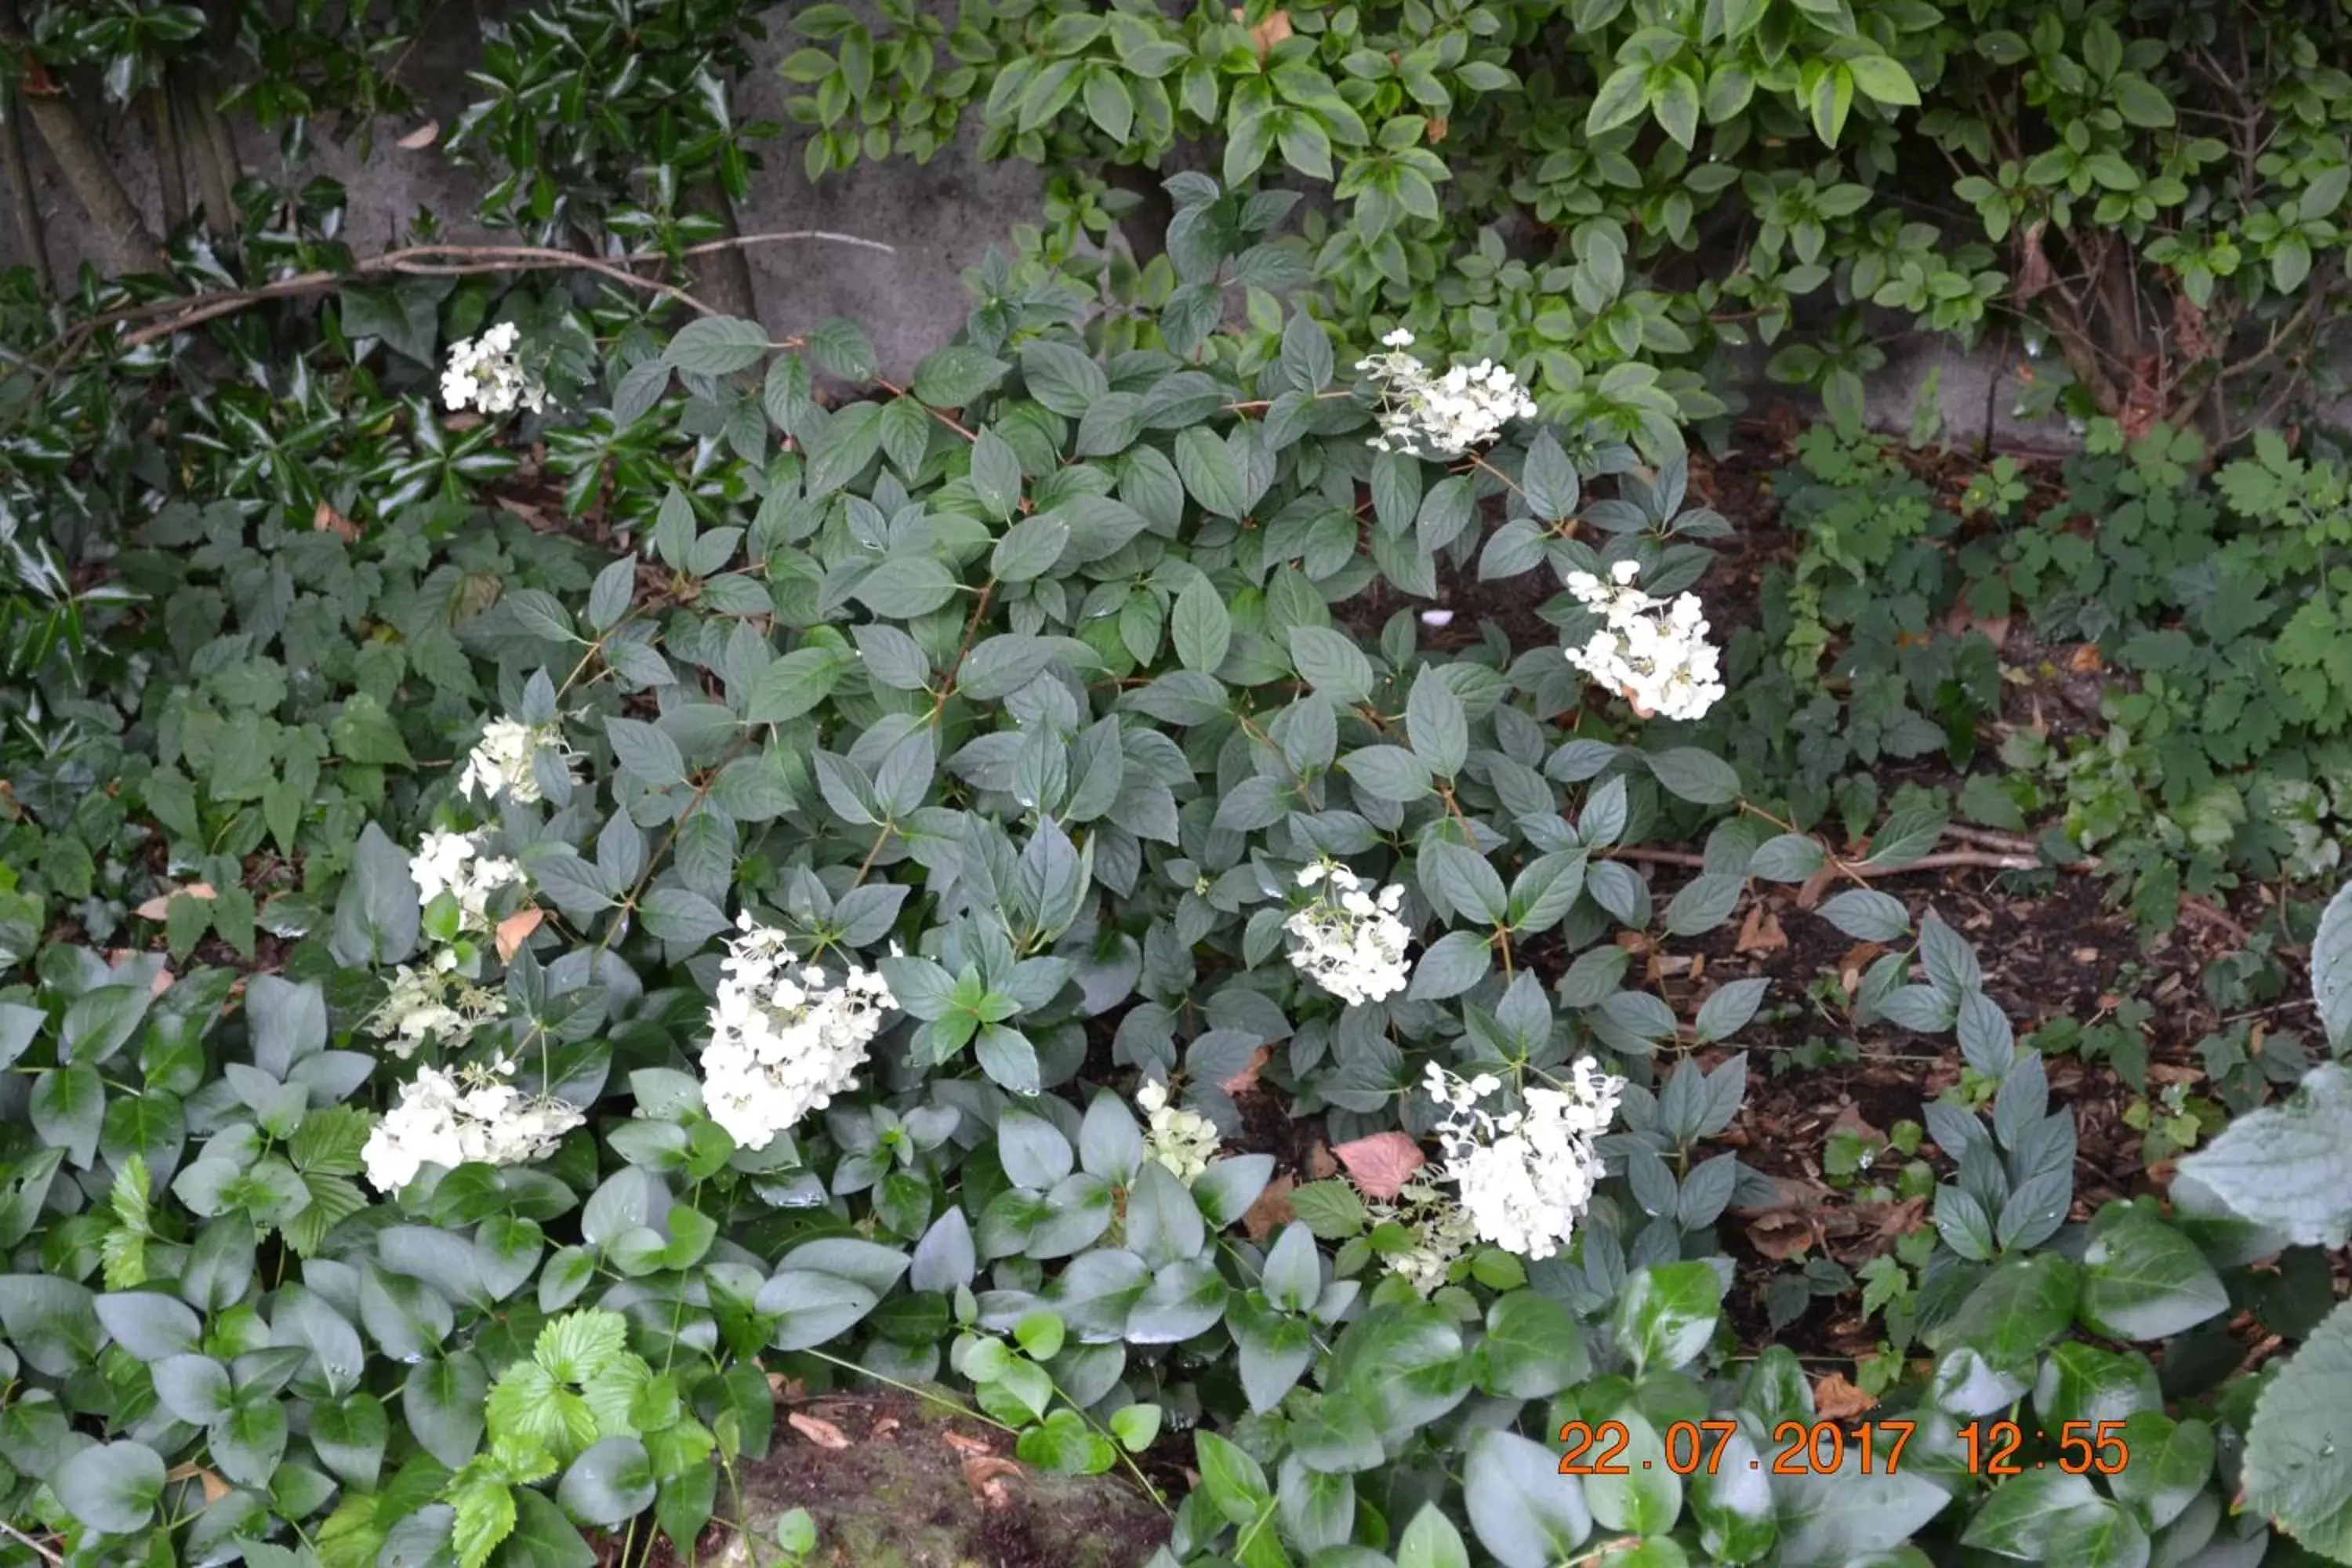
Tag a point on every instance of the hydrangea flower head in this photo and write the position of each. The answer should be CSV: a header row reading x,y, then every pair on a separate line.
x,y
452,863
454,1118
1653,653
1184,1141
501,761
1440,415
1526,1176
484,372
786,1036
432,1004
1349,941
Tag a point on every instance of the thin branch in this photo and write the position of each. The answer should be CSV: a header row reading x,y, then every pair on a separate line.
x,y
22,1539
421,259
784,236
942,415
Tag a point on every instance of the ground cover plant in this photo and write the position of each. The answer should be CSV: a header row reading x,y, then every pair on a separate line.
x,y
784,895
1273,934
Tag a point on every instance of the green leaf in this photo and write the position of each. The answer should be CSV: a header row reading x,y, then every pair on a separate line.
x,y
956,376
1533,1349
716,345
1387,772
1432,1542
645,751
377,916
841,349
1884,79
1646,1499
1666,1314
2331,967
609,1484
67,1108
2023,1516
111,1487
1030,548
2288,1166
905,586
794,685
442,1405
996,475
1519,1508
350,1435
1202,628
2298,1459
1211,470
149,1324
1866,915
2169,1463
51,1324
1436,724
1845,1516
1699,777
485,1517
1062,377
2142,1279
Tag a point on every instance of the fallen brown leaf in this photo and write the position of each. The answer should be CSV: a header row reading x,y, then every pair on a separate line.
x,y
156,907
1268,33
327,519
1247,1078
963,1444
1271,1211
1380,1164
515,930
1320,1164
215,1488
1960,623
1835,1398
1761,932
986,1474
421,137
1783,1236
822,1432
2085,659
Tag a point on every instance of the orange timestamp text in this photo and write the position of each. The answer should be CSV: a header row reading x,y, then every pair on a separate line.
x,y
1819,1448
2083,1447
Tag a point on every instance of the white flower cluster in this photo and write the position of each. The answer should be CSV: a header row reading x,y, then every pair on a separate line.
x,y
1440,416
1440,1231
452,863
433,1004
500,761
1350,942
1662,664
484,373
1184,1141
1526,1177
444,1122
784,1038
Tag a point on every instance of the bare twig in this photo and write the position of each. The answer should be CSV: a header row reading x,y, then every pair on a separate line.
x,y
942,415
784,236
47,1554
